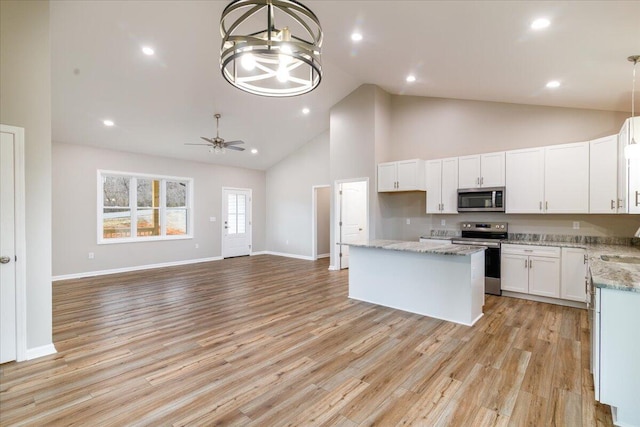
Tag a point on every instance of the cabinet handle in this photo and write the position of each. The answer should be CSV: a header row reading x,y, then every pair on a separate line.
x,y
620,205
481,180
613,204
637,192
541,205
546,206
586,258
530,263
525,263
477,181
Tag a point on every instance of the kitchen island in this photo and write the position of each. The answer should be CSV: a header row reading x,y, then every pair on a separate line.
x,y
432,279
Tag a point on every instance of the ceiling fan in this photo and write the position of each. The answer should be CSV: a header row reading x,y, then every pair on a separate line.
x,y
218,144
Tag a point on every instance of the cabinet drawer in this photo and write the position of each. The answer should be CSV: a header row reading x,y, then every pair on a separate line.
x,y
544,251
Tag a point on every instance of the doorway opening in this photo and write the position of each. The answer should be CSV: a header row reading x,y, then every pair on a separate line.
x,y
236,222
352,215
321,222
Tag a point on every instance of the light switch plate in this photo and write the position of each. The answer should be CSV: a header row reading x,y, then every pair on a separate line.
x,y
443,222
408,221
212,219
576,225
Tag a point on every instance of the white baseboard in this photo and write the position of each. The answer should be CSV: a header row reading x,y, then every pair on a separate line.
x,y
324,256
304,257
43,350
548,300
259,253
134,268
333,268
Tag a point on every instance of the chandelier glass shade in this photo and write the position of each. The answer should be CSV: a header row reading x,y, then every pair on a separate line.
x,y
271,47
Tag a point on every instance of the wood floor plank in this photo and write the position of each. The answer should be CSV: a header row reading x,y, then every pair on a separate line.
x,y
272,341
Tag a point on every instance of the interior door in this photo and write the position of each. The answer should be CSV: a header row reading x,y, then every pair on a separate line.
x,y
353,216
8,350
236,215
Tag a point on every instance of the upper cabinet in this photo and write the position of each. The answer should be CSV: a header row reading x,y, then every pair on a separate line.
x,y
566,178
603,175
405,175
553,179
442,185
482,170
524,191
628,169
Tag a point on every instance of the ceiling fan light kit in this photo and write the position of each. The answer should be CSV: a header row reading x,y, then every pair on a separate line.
x,y
218,145
271,47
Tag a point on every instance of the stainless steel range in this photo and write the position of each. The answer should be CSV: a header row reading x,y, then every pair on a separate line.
x,y
487,234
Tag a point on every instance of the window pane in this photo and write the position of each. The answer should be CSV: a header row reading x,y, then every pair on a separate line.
x,y
176,194
148,193
176,222
148,222
116,191
116,223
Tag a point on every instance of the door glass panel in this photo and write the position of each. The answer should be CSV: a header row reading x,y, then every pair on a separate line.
x,y
236,214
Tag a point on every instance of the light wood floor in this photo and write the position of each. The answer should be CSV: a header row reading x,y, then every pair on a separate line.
x,y
269,341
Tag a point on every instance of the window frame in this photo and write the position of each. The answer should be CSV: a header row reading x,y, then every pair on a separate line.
x,y
133,205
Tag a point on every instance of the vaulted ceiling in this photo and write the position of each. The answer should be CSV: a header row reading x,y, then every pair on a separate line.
x,y
480,50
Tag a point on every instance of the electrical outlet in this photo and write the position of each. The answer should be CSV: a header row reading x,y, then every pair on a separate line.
x,y
408,221
197,246
212,219
286,242
576,225
443,222
91,255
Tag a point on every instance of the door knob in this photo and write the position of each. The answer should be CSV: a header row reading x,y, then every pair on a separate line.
x,y
5,260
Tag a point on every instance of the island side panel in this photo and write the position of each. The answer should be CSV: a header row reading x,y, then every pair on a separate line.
x,y
448,287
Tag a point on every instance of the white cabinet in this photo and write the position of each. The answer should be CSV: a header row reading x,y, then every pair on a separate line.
x,y
574,273
531,269
566,178
405,175
524,180
482,170
617,371
553,179
628,170
603,175
442,185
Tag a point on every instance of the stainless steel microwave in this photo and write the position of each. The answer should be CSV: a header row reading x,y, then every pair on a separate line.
x,y
490,199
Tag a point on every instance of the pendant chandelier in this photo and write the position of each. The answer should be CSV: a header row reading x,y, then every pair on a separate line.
x,y
632,150
271,47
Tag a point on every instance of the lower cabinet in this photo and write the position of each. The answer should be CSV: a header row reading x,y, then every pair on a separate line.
x,y
616,370
531,270
574,273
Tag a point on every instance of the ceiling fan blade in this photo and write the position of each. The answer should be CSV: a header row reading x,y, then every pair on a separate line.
x,y
208,140
234,142
233,147
189,143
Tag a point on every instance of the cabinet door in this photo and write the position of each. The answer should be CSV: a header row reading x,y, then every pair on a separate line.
x,y
450,185
634,186
524,180
544,276
469,171
514,273
574,273
566,178
410,175
603,175
387,176
492,169
434,185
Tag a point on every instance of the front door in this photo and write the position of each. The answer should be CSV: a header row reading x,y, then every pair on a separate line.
x,y
7,250
353,216
236,215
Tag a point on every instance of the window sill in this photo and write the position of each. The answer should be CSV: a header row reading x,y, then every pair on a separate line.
x,y
143,239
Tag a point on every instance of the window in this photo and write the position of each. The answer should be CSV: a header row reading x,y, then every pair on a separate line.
x,y
134,207
237,205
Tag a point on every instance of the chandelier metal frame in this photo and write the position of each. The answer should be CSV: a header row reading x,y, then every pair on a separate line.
x,y
271,61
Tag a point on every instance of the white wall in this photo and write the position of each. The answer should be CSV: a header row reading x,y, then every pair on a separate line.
x,y
289,197
75,209
25,101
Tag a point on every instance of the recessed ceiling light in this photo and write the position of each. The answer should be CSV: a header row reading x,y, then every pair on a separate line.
x,y
553,84
148,51
305,110
356,37
541,23
254,151
108,122
411,78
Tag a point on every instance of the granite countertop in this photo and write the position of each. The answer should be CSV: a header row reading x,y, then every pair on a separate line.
x,y
425,248
605,274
